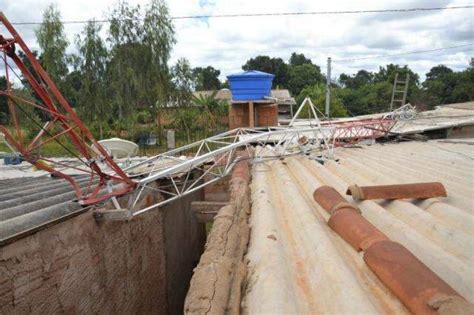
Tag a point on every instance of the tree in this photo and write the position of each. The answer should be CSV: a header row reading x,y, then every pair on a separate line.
x,y
361,78
317,94
158,38
213,108
207,78
299,59
387,74
376,97
138,73
464,89
4,112
275,66
53,43
439,72
93,59
444,86
302,76
183,86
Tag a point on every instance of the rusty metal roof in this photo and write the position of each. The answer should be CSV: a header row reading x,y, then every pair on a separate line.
x,y
297,264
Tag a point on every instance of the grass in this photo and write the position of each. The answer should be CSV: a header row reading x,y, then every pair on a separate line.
x,y
3,147
51,149
54,149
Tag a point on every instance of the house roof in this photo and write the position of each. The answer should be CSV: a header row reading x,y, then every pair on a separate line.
x,y
447,116
27,203
297,264
282,95
442,117
222,94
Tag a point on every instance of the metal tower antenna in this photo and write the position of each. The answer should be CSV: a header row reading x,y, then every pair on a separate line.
x,y
63,123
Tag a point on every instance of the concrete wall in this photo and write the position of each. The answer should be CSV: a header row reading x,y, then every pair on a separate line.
x,y
218,280
81,266
184,243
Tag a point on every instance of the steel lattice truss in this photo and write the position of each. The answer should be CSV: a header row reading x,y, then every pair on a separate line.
x,y
215,157
177,172
352,132
63,126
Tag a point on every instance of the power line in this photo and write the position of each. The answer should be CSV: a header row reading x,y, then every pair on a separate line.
x,y
188,17
403,54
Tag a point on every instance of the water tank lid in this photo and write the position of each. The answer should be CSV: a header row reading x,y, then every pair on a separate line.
x,y
251,73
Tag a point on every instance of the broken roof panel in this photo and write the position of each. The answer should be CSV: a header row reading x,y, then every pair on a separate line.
x,y
297,264
443,117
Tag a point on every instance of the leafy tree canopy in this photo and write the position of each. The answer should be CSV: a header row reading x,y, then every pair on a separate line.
x,y
207,78
299,59
302,76
361,78
275,66
317,94
53,43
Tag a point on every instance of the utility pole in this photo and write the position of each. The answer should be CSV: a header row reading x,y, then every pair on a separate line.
x,y
328,88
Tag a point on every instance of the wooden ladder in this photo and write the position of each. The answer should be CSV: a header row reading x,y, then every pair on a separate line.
x,y
400,88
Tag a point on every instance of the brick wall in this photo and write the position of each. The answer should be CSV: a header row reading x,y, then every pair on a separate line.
x,y
238,116
80,266
266,115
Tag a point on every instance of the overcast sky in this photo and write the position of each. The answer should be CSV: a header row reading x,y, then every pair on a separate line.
x,y
226,43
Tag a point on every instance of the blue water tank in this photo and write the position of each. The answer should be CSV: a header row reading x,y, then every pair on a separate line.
x,y
250,85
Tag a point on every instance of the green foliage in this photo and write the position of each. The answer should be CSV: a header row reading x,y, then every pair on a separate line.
x,y
211,103
361,78
119,88
207,78
368,93
367,99
143,117
299,59
317,94
211,110
304,75
91,86
444,86
138,74
53,43
184,116
387,74
183,83
275,66
4,114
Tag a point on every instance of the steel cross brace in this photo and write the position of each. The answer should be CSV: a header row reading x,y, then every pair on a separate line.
x,y
215,157
64,123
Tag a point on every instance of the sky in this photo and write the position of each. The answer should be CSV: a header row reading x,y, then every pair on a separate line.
x,y
227,43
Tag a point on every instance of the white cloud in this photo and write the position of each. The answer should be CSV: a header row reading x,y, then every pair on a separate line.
x,y
226,43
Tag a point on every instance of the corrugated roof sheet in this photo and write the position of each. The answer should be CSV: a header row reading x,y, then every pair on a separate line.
x,y
297,264
442,117
29,203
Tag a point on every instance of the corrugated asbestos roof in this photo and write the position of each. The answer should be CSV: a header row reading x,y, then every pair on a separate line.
x,y
297,264
461,114
442,117
29,203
